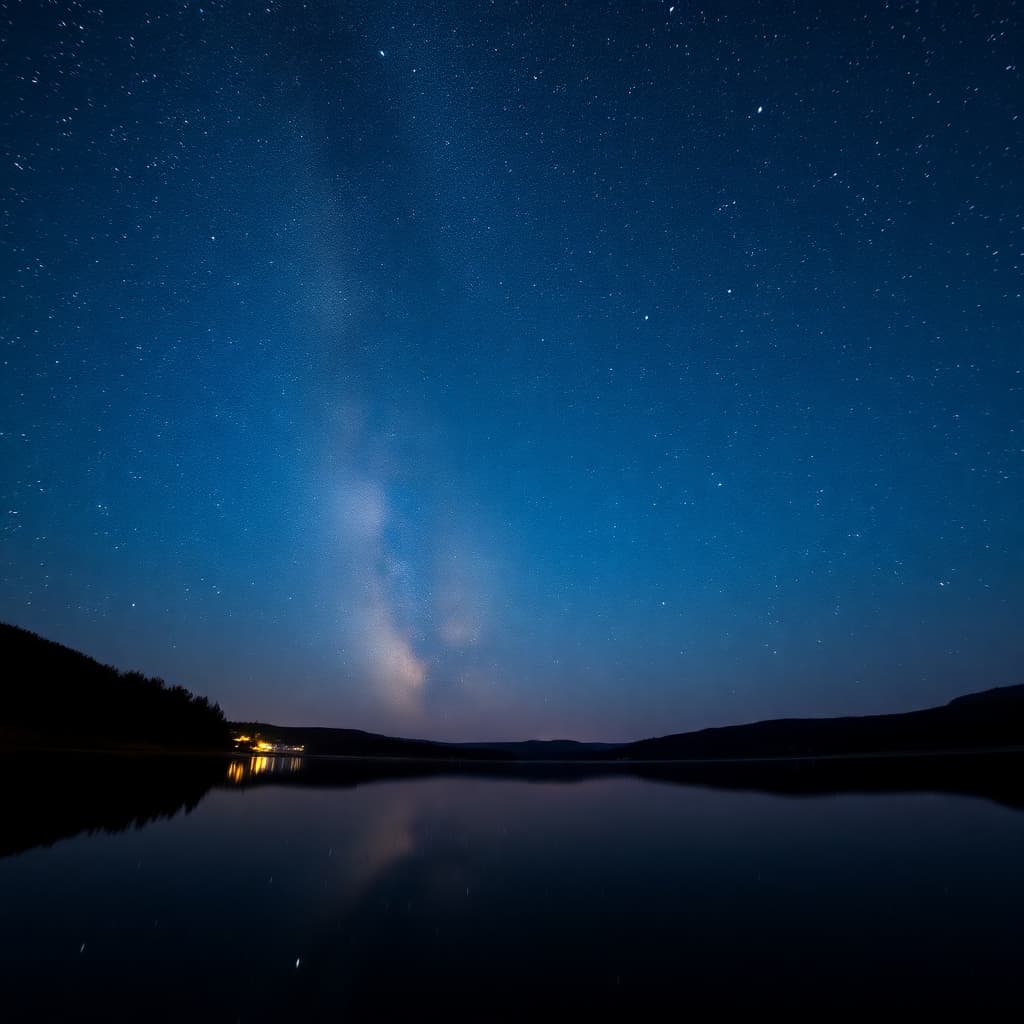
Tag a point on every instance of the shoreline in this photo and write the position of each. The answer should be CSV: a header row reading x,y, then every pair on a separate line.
x,y
622,762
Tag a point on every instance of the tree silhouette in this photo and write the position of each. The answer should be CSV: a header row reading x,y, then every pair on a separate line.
x,y
54,695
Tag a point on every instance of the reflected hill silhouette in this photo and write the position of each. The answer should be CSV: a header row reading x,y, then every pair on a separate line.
x,y
993,775
49,797
52,796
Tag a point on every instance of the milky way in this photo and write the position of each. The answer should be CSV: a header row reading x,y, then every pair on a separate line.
x,y
496,370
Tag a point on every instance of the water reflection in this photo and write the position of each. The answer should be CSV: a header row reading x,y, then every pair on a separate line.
x,y
47,797
493,898
995,775
244,770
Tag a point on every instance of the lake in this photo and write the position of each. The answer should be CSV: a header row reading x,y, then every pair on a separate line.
x,y
270,893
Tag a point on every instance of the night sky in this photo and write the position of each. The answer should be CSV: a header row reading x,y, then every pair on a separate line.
x,y
506,369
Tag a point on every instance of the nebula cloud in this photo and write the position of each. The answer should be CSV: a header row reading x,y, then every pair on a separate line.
x,y
383,644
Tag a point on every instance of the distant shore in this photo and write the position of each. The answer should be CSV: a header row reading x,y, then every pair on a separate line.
x,y
146,750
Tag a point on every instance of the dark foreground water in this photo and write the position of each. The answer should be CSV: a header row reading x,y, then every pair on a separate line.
x,y
484,898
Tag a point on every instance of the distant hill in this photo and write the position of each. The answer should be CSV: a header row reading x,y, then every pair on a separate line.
x,y
992,718
977,721
356,743
53,696
548,750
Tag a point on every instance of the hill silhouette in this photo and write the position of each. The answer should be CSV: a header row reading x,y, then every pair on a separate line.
x,y
55,696
977,721
58,697
549,750
992,719
357,743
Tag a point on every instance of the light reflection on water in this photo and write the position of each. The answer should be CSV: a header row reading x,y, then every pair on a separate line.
x,y
241,770
487,898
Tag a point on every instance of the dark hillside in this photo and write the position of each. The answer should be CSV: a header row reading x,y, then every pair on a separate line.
x,y
55,696
992,718
356,743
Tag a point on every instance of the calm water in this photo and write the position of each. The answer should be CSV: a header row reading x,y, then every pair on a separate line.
x,y
486,898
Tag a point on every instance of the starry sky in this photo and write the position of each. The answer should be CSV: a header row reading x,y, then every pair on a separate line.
x,y
505,369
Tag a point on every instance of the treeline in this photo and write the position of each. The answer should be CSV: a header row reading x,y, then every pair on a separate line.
x,y
53,695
